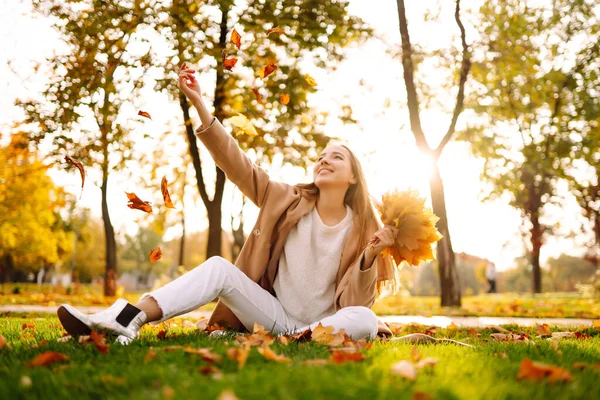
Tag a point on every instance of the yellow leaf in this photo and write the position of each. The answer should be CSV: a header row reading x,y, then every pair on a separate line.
x,y
243,124
269,354
310,80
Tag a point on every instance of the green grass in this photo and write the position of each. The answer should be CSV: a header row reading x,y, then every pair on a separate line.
x,y
462,373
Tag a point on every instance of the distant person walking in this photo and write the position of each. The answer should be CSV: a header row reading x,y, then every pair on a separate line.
x,y
490,275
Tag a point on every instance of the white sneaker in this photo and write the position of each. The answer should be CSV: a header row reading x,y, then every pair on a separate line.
x,y
121,318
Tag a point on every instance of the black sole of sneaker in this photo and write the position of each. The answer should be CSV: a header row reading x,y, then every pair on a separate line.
x,y
71,324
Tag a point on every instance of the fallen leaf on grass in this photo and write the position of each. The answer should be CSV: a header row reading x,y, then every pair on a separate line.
x,y
243,124
227,395
168,392
99,341
317,361
212,371
47,358
421,396
283,340
155,255
582,365
171,348
452,327
596,324
236,38
404,369
269,354
341,357
205,354
536,371
150,355
511,337
543,330
164,188
161,335
324,335
138,204
239,354
144,114
29,325
2,342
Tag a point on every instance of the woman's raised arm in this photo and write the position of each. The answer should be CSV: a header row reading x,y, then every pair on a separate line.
x,y
252,180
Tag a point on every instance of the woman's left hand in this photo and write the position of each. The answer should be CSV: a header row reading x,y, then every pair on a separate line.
x,y
382,239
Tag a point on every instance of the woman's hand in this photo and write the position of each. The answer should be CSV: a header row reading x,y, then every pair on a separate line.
x,y
382,239
189,85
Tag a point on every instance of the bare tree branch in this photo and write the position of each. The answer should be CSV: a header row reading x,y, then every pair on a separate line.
x,y
464,72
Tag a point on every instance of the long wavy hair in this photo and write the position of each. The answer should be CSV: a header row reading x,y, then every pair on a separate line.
x,y
359,200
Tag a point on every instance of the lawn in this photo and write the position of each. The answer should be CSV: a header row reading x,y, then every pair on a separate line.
x,y
148,370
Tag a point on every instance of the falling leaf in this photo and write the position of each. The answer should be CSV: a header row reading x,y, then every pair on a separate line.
x,y
310,80
267,70
243,124
138,204
144,114
275,30
205,354
99,341
284,98
536,371
236,38
229,63
47,358
543,330
269,354
258,96
155,255
341,357
404,369
239,354
165,192
323,334
79,166
150,355
2,342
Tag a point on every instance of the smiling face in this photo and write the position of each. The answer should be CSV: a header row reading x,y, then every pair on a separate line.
x,y
334,168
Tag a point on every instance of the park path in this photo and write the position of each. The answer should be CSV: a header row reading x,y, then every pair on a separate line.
x,y
440,320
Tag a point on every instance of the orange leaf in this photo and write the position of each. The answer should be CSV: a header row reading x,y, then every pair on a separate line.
x,y
205,353
99,341
211,371
29,325
239,354
341,357
155,255
79,166
47,358
404,369
596,324
275,30
284,98
138,204
144,114
2,342
415,354
267,70
161,335
258,96
269,354
150,355
543,330
310,80
229,63
536,371
236,38
165,192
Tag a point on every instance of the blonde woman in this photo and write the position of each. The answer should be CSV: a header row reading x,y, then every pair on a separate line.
x,y
307,260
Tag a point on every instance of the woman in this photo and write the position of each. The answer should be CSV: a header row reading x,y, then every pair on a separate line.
x,y
306,262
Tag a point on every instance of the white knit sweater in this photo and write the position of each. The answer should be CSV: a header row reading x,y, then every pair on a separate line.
x,y
308,266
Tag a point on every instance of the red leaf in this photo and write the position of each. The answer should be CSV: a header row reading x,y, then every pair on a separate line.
x,y
267,70
99,341
162,335
2,342
138,204
536,371
47,358
79,166
144,114
341,357
165,192
258,96
236,38
155,255
29,325
274,30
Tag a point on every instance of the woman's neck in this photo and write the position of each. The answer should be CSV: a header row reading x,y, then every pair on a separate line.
x,y
330,206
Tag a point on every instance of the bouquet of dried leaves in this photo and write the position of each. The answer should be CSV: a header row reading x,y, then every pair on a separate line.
x,y
417,233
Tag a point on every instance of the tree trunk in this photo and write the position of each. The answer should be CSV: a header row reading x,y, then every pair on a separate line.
x,y
536,245
449,282
110,274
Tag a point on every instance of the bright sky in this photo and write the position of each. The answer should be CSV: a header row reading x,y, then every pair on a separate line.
x,y
382,139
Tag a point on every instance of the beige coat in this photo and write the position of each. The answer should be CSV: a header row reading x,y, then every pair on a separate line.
x,y
281,207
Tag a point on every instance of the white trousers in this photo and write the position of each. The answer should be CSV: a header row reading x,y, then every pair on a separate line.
x,y
217,277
